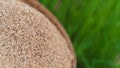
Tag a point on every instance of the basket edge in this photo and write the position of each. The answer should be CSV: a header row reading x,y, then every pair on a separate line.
x,y
35,4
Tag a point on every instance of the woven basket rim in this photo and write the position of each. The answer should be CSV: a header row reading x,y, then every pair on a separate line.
x,y
35,4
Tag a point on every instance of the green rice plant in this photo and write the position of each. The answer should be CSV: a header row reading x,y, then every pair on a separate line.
x,y
94,28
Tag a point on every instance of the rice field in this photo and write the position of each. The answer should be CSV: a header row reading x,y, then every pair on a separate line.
x,y
94,29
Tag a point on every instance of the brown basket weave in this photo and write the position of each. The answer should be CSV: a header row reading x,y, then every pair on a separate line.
x,y
53,19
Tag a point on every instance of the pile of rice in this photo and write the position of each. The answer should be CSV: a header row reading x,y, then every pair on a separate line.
x,y
28,39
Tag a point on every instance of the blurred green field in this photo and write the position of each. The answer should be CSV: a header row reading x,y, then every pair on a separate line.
x,y
94,28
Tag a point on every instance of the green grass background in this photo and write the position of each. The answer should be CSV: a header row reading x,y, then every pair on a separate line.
x,y
94,28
